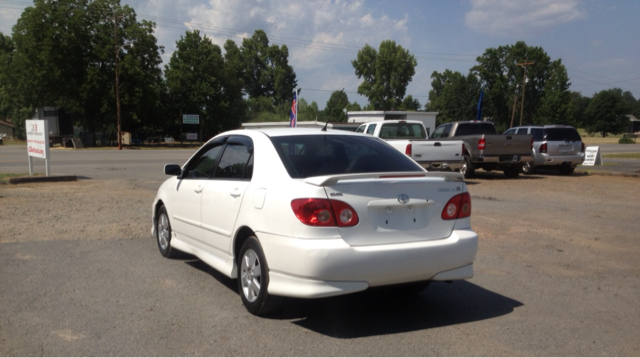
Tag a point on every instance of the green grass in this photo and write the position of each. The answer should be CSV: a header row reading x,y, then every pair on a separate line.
x,y
622,155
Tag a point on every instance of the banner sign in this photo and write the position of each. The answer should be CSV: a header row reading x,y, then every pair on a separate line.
x,y
190,119
192,136
37,138
592,156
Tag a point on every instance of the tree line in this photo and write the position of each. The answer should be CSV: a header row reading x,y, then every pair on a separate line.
x,y
63,53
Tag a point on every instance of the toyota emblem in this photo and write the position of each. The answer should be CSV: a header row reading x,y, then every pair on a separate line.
x,y
403,198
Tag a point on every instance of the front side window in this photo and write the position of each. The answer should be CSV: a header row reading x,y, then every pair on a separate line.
x,y
201,166
371,129
510,131
361,129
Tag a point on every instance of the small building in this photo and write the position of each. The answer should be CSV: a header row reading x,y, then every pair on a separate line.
x,y
634,124
427,118
6,130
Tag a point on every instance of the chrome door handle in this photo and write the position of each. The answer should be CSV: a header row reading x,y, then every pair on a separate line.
x,y
198,189
236,193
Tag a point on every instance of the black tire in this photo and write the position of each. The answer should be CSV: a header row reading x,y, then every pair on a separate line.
x,y
528,168
468,170
163,234
253,279
566,169
512,171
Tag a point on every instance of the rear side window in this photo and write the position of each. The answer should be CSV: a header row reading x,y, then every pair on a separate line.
x,y
371,129
360,129
317,155
537,134
522,131
562,134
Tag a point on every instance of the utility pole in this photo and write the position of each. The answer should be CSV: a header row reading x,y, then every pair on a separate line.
x,y
524,82
117,49
515,99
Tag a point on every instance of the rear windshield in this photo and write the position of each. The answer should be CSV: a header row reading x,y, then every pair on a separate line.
x,y
318,155
402,131
562,134
475,128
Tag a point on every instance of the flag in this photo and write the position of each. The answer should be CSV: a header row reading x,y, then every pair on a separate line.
x,y
479,114
293,120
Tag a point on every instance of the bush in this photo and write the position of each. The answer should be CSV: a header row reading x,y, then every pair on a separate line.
x,y
626,140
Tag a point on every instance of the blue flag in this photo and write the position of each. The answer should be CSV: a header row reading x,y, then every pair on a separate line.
x,y
479,114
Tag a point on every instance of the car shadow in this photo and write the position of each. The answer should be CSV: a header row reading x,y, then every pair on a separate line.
x,y
385,311
496,175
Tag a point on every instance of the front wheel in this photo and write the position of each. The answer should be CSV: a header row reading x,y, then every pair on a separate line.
x,y
163,234
253,279
528,168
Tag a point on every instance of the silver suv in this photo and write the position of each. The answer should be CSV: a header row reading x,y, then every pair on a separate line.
x,y
553,146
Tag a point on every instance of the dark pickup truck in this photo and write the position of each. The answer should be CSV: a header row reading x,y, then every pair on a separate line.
x,y
486,149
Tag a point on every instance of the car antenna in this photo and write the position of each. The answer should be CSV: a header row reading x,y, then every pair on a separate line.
x,y
325,125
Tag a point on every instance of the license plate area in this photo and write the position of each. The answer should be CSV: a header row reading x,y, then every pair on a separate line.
x,y
401,217
510,158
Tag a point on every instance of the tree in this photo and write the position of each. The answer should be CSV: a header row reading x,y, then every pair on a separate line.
x,y
267,72
195,83
386,73
309,112
579,104
335,106
555,106
454,96
6,54
634,105
410,104
607,112
502,79
65,57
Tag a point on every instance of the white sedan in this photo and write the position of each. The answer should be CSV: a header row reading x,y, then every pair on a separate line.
x,y
309,213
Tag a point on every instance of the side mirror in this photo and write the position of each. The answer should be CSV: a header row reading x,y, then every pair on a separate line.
x,y
173,169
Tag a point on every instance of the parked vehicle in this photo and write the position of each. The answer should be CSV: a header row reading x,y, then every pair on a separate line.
x,y
411,138
485,149
309,213
555,146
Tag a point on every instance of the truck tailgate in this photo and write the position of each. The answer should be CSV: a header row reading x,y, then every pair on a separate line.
x,y
437,151
506,145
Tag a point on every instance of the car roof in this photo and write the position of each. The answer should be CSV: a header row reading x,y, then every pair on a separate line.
x,y
280,132
544,126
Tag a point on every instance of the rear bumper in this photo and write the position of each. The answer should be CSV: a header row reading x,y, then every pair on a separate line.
x,y
329,267
496,159
546,159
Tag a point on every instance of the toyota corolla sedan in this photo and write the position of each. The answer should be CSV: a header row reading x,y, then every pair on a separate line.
x,y
308,213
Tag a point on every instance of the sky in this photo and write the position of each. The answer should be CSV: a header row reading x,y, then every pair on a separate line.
x,y
598,41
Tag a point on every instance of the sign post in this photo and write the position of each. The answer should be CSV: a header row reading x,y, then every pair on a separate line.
x,y
592,156
37,142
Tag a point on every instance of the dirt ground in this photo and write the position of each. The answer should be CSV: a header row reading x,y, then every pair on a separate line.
x,y
556,274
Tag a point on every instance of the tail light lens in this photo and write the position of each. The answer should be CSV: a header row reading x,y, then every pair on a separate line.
x,y
458,207
543,148
408,150
481,144
531,143
324,212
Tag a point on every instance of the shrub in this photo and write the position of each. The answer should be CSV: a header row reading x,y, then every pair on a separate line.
x,y
626,140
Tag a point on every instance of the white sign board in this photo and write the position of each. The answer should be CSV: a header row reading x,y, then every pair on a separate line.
x,y
190,119
38,138
37,141
592,156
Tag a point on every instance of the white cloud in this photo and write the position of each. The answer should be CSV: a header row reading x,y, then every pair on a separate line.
x,y
8,18
508,18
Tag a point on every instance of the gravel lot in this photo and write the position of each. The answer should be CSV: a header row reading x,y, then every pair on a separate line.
x,y
557,274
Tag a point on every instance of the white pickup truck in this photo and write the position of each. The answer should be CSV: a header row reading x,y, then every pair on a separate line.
x,y
411,138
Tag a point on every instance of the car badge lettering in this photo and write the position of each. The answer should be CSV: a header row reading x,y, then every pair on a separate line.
x,y
335,194
448,190
403,198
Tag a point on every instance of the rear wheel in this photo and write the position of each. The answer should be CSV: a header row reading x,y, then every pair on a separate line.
x,y
528,168
468,170
512,171
253,279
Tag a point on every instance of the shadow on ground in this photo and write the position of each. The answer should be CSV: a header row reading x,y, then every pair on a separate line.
x,y
385,311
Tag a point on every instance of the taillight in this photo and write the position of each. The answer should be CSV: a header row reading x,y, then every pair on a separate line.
x,y
407,150
531,143
481,144
324,212
543,148
457,207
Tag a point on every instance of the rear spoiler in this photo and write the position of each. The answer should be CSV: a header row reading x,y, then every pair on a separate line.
x,y
333,179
